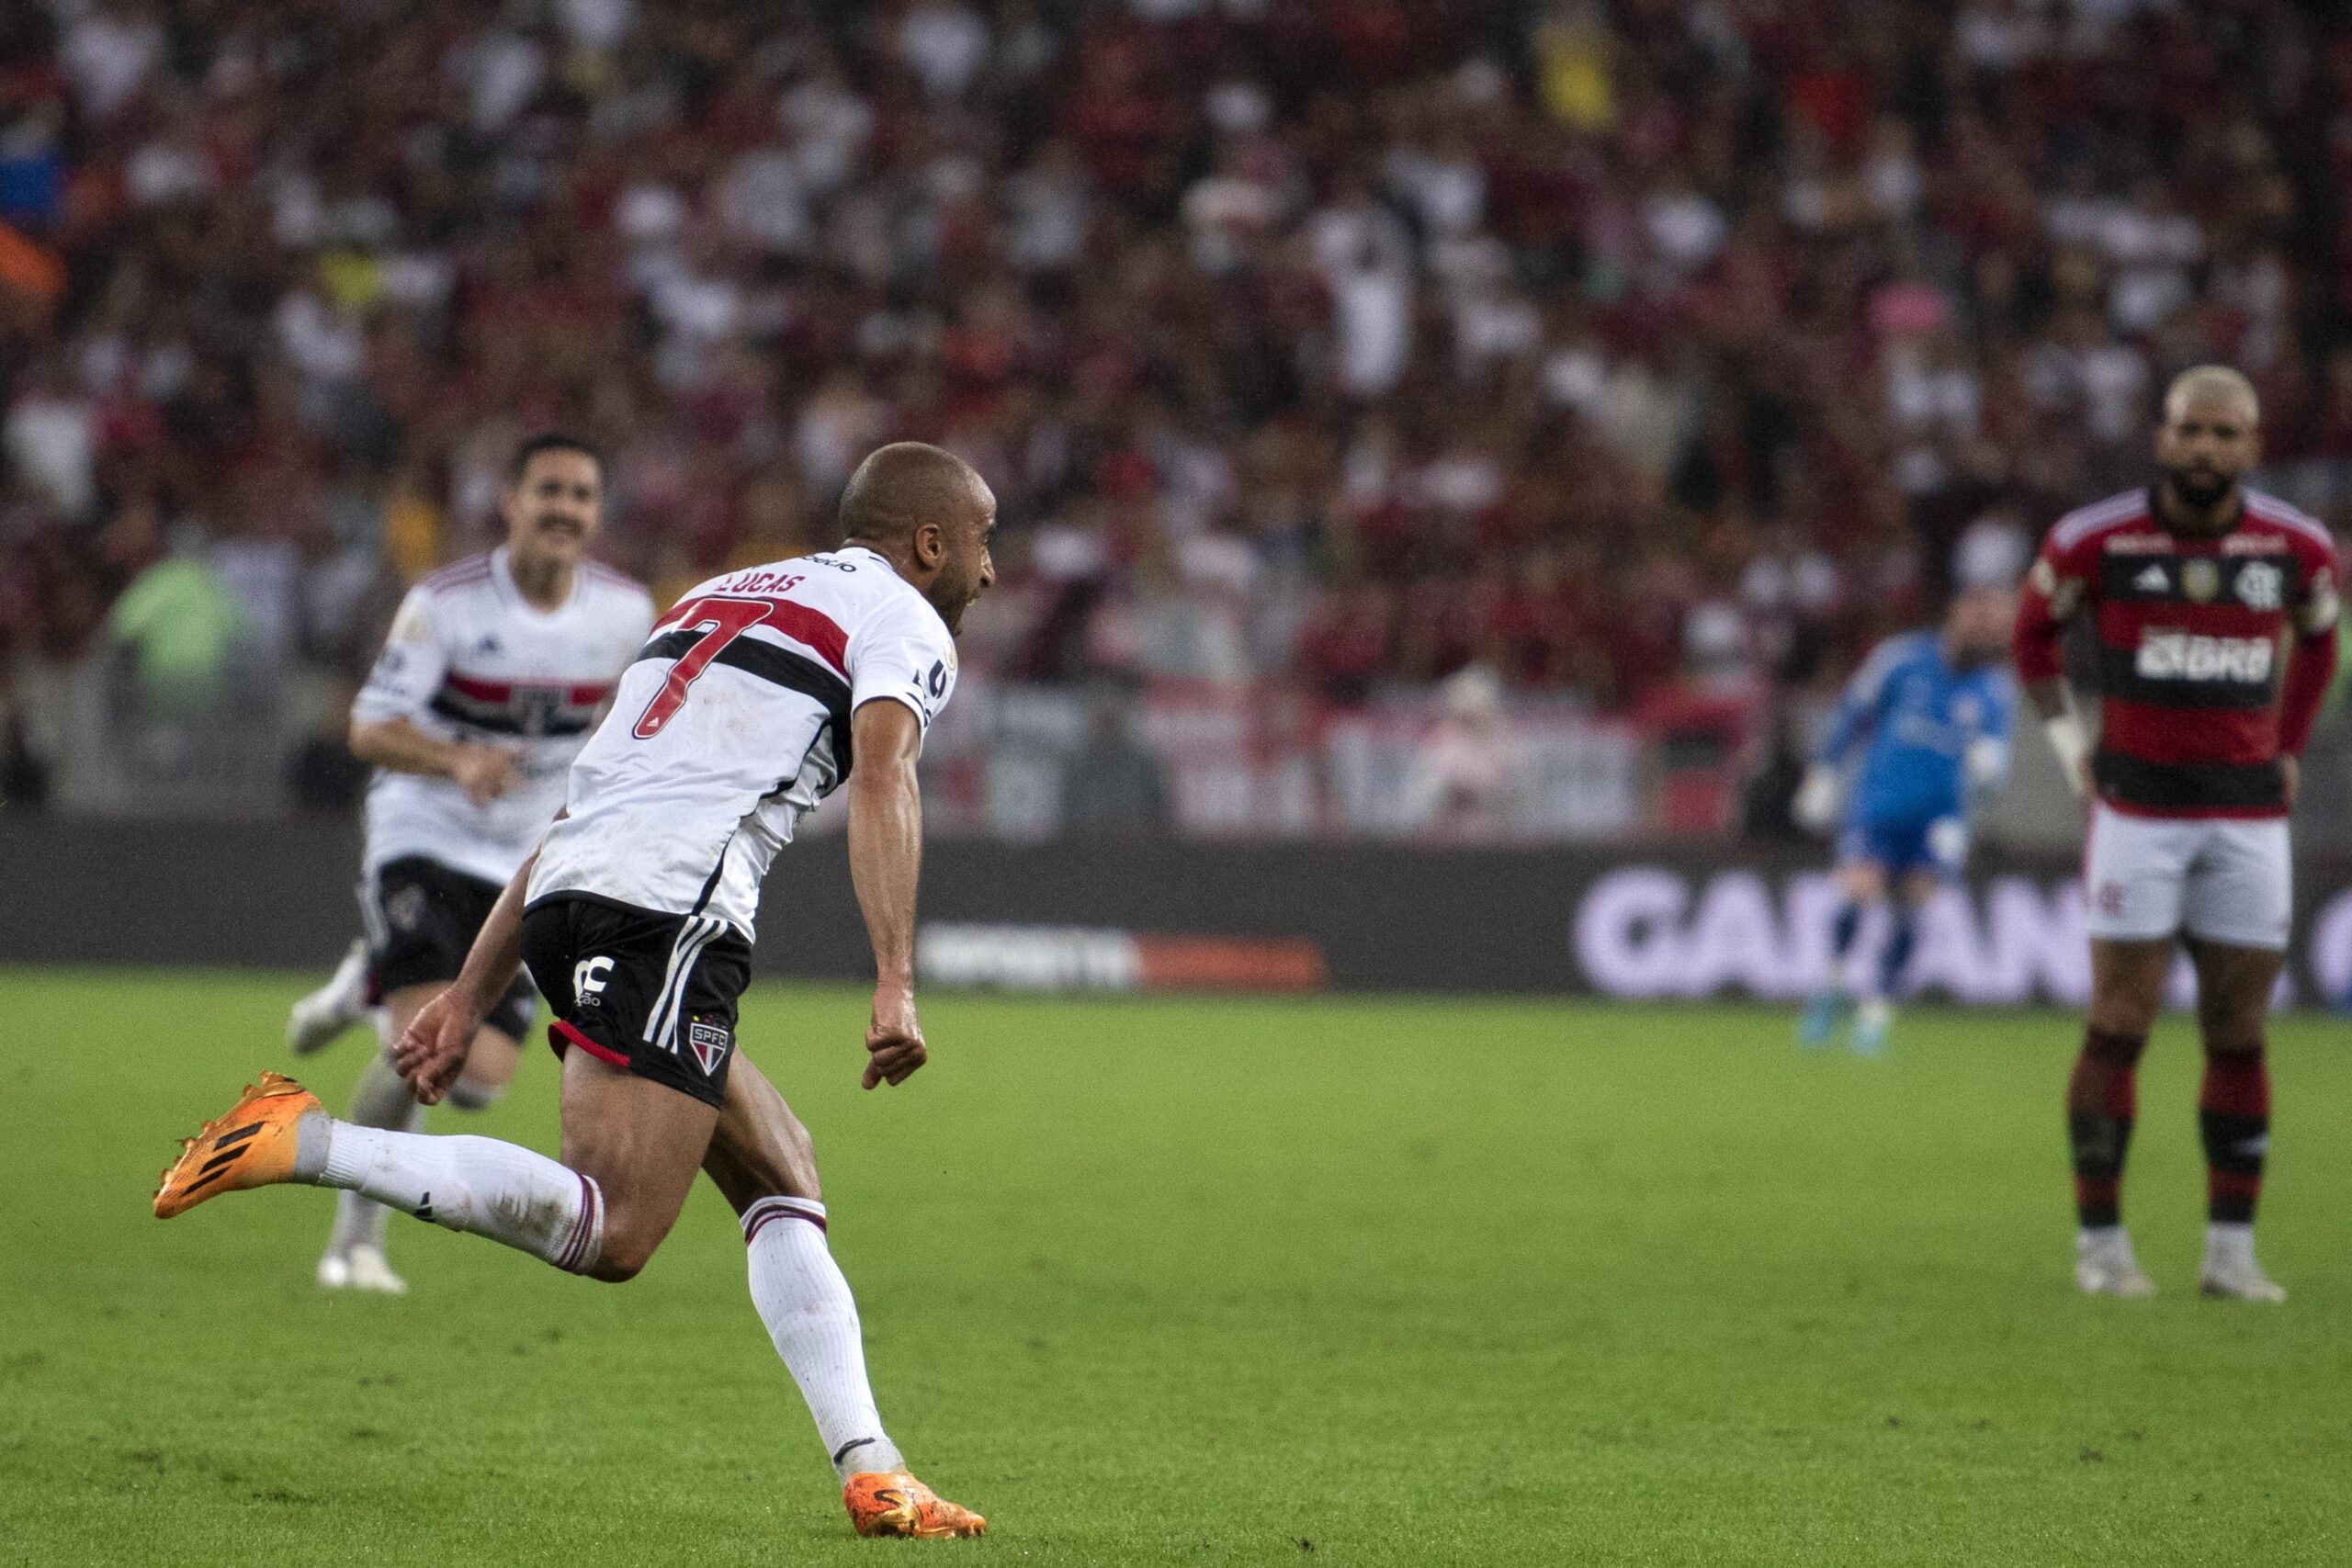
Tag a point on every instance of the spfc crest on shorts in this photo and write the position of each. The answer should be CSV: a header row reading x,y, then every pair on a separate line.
x,y
709,1042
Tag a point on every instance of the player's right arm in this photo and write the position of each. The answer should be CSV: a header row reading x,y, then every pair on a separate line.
x,y
2056,590
885,862
433,1050
384,732
1815,805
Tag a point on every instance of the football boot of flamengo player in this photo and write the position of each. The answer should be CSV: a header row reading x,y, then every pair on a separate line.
x,y
253,1146
361,1266
320,1019
2104,1266
2238,1279
895,1503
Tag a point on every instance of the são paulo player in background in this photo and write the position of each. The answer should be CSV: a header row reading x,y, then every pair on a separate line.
x,y
491,677
2189,586
1930,714
758,695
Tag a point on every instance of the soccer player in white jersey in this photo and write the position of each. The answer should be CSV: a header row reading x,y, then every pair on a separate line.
x,y
757,695
493,673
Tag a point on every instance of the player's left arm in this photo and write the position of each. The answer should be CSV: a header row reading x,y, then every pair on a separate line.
x,y
884,864
2310,666
1985,764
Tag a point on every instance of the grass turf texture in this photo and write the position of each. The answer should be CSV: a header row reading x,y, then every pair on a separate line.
x,y
1345,1282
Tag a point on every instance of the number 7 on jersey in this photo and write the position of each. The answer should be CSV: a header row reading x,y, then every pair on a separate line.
x,y
720,621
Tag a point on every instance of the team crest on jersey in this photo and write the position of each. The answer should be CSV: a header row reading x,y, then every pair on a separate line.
x,y
2200,580
2259,585
709,1042
405,908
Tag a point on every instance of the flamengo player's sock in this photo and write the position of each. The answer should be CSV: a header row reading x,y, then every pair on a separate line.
x,y
812,1318
2233,1117
1898,950
500,1190
381,1100
2101,1098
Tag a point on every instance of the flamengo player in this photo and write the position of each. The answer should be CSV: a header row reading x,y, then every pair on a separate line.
x,y
487,684
757,695
2190,585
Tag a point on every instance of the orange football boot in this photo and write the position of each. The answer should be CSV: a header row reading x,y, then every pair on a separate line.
x,y
250,1146
895,1503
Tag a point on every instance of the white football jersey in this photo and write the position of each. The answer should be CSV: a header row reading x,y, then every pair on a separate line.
x,y
733,723
470,659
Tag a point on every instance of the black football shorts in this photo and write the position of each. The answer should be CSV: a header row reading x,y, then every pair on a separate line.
x,y
421,920
652,993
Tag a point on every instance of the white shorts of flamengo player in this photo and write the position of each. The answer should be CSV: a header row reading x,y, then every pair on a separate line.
x,y
2225,879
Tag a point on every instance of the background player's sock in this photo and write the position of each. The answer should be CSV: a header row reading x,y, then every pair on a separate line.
x,y
2234,1118
1844,961
2101,1098
492,1189
380,1099
1897,952
812,1318
1843,929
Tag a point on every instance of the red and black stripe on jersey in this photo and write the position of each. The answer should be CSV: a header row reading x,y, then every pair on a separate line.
x,y
519,707
2190,656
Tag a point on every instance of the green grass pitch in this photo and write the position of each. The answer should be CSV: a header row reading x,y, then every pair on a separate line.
x,y
1350,1281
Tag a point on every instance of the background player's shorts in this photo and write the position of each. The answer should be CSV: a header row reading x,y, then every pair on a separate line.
x,y
422,919
652,993
2147,878
1901,844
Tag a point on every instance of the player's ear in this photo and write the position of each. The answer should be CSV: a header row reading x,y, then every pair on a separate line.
x,y
931,545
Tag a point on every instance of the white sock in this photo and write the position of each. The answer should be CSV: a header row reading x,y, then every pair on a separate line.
x,y
2229,1243
381,1100
480,1185
812,1318
2100,1238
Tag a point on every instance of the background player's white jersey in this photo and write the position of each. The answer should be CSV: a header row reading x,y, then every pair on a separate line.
x,y
471,660
734,722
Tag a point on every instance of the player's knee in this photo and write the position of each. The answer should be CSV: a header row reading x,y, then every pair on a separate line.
x,y
625,1252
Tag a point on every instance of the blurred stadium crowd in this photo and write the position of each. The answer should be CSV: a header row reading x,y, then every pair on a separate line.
x,y
1652,356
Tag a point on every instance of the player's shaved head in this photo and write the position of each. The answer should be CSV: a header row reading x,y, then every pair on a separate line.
x,y
929,514
2212,384
902,487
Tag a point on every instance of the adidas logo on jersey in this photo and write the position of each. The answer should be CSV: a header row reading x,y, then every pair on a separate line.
x,y
2152,580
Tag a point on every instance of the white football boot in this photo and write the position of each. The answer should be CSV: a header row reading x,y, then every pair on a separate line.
x,y
2104,1265
360,1268
318,1019
2230,1272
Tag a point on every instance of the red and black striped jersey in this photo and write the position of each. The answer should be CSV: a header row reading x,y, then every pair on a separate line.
x,y
2189,647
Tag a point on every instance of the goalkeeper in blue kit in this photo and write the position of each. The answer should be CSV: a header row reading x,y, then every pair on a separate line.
x,y
1928,715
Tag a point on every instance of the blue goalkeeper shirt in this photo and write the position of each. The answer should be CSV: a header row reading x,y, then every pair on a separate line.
x,y
1930,735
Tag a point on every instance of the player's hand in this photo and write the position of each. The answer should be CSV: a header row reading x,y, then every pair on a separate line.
x,y
1815,805
485,772
433,1050
2291,766
894,1038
